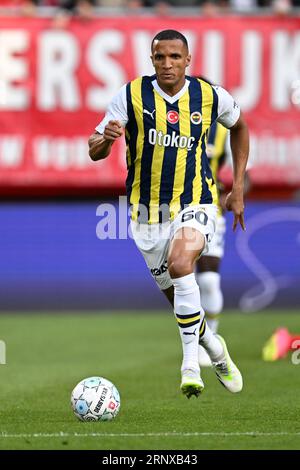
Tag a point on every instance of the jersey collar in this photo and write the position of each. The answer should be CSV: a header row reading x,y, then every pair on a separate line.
x,y
170,99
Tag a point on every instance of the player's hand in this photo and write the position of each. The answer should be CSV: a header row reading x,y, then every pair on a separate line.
x,y
235,202
112,131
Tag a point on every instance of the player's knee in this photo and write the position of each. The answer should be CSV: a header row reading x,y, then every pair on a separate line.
x,y
211,293
179,266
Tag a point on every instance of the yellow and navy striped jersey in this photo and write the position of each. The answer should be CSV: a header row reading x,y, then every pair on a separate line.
x,y
166,148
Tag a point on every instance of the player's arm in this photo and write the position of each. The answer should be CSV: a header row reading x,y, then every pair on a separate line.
x,y
239,143
100,144
230,116
110,128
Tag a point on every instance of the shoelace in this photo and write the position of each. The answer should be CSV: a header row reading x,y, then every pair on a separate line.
x,y
221,367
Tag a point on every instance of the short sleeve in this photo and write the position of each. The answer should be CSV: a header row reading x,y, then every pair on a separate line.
x,y
116,111
228,110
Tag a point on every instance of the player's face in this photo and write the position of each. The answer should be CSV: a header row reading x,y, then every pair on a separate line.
x,y
170,59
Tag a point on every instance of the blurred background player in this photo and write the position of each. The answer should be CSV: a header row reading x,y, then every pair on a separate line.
x,y
53,84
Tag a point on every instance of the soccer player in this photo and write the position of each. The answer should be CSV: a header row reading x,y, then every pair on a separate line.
x,y
170,188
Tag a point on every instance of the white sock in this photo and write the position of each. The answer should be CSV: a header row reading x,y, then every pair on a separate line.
x,y
210,343
211,297
188,313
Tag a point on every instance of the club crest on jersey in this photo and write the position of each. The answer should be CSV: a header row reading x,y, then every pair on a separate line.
x,y
172,117
196,117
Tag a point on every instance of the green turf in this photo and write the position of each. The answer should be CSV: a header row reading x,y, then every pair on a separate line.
x,y
141,353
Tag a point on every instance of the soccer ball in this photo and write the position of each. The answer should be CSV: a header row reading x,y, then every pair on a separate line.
x,y
95,399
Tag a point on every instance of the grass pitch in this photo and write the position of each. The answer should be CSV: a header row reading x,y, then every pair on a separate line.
x,y
48,354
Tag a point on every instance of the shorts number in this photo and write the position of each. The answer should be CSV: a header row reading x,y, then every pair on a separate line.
x,y
200,216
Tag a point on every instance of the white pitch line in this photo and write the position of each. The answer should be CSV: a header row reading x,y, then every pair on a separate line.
x,y
4,435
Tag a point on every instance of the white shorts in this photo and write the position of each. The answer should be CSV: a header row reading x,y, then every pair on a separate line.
x,y
153,240
216,245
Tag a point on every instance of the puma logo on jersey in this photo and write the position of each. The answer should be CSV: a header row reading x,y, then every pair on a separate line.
x,y
170,140
145,111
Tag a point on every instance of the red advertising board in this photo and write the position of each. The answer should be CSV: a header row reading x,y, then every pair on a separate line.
x,y
55,85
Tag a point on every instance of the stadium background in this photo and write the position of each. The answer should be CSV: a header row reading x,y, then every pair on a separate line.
x,y
59,69
55,83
